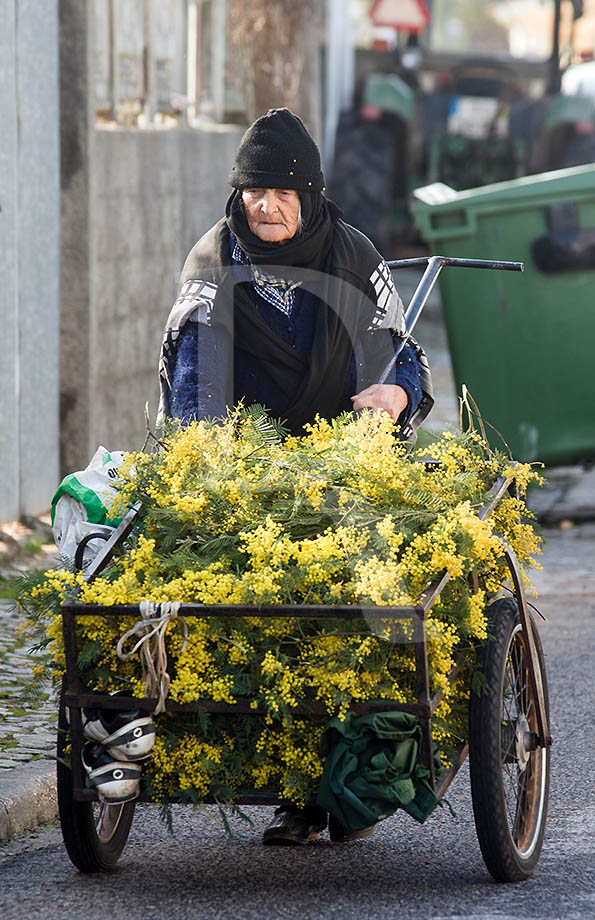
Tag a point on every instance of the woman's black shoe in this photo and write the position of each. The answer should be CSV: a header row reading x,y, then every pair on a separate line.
x,y
293,826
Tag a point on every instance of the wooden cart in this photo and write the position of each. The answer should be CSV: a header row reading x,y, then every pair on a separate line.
x,y
509,740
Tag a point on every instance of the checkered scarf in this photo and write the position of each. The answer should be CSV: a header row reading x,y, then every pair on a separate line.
x,y
276,291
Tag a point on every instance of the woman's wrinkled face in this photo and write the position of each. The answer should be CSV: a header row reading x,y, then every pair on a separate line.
x,y
273,213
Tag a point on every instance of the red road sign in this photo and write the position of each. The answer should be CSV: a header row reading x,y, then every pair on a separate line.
x,y
403,15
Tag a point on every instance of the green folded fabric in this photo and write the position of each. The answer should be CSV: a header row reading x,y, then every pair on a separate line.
x,y
372,768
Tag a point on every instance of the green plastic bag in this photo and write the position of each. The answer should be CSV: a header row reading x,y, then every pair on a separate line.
x,y
372,768
82,501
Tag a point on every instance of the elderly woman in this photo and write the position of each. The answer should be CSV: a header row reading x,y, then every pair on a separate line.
x,y
282,303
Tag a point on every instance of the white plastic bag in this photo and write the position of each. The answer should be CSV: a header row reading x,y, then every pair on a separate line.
x,y
81,505
71,525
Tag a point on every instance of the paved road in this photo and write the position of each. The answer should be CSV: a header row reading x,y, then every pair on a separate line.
x,y
404,871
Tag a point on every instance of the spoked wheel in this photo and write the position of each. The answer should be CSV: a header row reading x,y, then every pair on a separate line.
x,y
509,769
94,833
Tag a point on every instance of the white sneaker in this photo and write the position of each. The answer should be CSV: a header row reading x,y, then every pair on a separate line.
x,y
127,735
115,780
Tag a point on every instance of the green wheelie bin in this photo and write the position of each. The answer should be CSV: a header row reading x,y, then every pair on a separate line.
x,y
524,344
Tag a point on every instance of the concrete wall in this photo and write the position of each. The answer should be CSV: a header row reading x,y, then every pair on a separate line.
x,y
133,202
153,193
29,256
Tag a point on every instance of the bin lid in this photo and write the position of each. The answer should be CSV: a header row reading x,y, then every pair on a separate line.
x,y
431,202
577,181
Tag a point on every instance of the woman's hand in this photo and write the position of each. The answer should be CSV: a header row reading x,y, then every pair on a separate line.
x,y
387,397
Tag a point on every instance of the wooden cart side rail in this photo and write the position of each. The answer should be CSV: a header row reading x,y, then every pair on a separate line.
x,y
122,531
429,596
280,611
447,777
251,797
433,589
244,707
501,486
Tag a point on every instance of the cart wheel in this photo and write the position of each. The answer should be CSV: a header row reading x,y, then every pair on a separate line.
x,y
509,771
94,833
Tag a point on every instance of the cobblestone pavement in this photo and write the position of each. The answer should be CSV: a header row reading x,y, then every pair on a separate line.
x,y
27,711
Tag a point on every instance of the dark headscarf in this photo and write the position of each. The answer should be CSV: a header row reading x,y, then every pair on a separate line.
x,y
309,248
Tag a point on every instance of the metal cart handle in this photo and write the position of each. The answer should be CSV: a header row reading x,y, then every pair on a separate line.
x,y
434,264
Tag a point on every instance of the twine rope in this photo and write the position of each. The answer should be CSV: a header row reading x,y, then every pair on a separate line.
x,y
151,646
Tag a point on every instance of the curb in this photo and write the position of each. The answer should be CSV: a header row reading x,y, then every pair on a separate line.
x,y
27,798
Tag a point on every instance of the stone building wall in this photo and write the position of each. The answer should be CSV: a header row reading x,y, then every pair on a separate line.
x,y
29,255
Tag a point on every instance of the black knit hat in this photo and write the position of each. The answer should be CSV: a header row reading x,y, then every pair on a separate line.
x,y
277,151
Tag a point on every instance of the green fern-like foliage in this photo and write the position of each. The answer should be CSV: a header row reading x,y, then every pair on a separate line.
x,y
261,427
